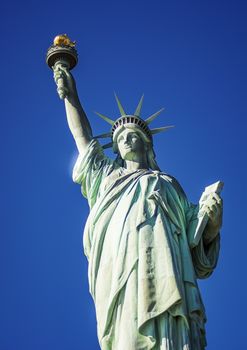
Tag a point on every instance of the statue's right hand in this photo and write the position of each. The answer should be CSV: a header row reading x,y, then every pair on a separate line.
x,y
66,86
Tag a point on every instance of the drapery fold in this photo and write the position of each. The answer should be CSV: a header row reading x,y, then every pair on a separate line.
x,y
142,270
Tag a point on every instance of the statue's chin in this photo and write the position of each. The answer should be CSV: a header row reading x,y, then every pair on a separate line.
x,y
128,154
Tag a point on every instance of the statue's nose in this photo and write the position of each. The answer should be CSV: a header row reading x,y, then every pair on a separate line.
x,y
125,139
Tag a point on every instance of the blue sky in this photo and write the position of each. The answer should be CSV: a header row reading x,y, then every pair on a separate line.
x,y
187,56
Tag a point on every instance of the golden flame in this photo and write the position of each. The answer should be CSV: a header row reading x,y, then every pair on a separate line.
x,y
63,40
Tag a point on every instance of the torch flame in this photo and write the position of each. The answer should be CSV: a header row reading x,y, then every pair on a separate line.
x,y
63,40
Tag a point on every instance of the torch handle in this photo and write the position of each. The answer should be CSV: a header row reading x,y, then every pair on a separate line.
x,y
61,87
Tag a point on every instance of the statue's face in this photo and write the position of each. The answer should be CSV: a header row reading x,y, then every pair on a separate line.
x,y
130,145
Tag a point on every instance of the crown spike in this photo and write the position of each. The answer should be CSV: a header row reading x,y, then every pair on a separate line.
x,y
139,107
108,120
163,128
153,116
120,107
103,136
108,145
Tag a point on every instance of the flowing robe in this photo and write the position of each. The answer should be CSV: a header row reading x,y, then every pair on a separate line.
x,y
142,269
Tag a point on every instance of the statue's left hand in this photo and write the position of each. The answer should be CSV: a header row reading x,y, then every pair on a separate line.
x,y
213,207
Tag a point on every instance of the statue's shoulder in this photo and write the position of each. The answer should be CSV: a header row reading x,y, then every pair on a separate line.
x,y
174,182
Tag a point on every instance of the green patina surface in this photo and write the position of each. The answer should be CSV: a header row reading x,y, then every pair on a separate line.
x,y
139,238
142,269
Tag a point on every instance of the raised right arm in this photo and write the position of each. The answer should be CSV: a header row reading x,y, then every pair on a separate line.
x,y
76,117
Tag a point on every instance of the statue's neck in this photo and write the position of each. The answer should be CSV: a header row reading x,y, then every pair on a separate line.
x,y
132,165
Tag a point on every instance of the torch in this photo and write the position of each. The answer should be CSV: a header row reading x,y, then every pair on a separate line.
x,y
62,53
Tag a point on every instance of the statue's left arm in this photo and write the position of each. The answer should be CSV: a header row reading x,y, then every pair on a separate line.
x,y
213,208
205,254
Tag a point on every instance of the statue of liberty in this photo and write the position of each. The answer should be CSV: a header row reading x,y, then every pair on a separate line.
x,y
138,238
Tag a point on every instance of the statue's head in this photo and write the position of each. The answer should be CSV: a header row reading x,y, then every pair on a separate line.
x,y
131,135
131,144
132,140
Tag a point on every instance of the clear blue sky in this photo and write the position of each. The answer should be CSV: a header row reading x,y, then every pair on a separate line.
x,y
187,56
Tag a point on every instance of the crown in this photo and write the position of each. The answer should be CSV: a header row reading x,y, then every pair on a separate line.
x,y
133,121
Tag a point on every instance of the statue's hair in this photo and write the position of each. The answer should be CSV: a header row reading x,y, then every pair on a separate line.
x,y
151,161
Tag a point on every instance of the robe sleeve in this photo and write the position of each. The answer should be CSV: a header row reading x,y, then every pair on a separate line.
x,y
90,170
204,256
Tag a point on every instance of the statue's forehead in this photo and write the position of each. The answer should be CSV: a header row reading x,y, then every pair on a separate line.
x,y
126,129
